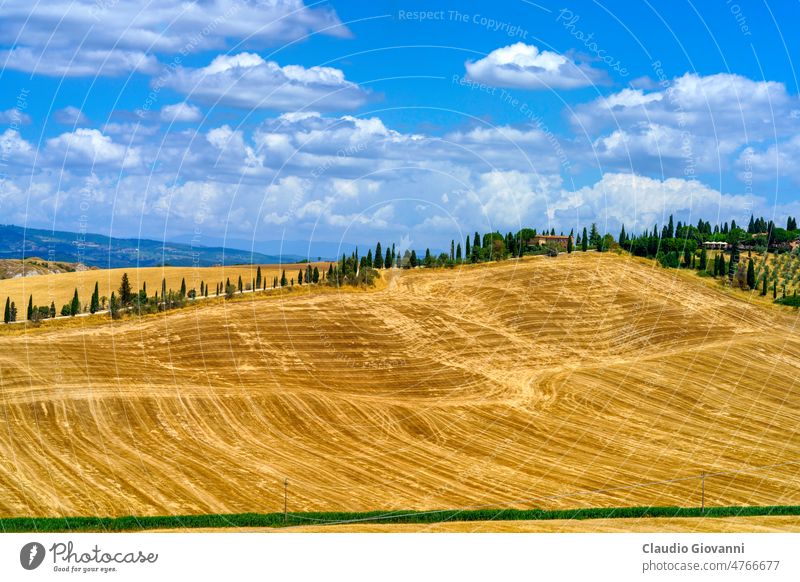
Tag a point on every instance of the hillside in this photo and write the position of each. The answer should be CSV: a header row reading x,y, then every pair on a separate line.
x,y
59,288
98,250
35,266
545,382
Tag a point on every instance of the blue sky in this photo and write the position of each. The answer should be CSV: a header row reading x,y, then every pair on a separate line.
x,y
248,121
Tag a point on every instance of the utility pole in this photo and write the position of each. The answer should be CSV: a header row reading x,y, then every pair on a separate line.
x,y
703,493
285,497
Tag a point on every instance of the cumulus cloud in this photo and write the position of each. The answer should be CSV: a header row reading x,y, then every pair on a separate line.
x,y
507,199
246,80
524,66
688,126
334,175
180,112
70,116
14,117
726,105
14,149
639,202
90,147
770,162
121,37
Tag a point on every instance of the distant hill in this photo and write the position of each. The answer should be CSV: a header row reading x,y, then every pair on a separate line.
x,y
98,250
312,250
14,268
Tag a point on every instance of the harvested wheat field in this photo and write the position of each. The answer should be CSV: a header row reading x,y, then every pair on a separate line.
x,y
760,524
548,382
58,288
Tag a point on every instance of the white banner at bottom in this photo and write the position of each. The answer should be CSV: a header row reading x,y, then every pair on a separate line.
x,y
355,557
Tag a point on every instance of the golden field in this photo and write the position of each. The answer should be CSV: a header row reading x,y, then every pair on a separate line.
x,y
547,382
761,524
59,288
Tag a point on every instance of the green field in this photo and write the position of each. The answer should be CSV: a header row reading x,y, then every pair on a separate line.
x,y
278,520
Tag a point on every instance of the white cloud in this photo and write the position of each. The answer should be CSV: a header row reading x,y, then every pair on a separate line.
x,y
526,67
723,105
70,116
59,62
14,149
246,80
180,112
90,147
508,198
87,37
639,202
14,117
771,162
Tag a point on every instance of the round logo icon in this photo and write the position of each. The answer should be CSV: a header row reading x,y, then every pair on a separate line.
x,y
31,555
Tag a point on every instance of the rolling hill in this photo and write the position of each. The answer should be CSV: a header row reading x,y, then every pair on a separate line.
x,y
99,250
584,380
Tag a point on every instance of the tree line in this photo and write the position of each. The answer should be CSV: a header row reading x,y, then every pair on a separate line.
x,y
126,299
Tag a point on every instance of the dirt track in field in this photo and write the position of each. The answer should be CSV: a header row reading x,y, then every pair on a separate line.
x,y
545,383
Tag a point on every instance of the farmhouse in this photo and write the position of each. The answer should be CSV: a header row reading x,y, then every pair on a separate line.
x,y
550,240
715,245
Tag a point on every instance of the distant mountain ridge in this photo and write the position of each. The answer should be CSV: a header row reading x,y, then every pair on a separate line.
x,y
98,250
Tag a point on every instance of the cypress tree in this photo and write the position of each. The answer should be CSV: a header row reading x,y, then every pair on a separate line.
x,y
94,305
751,275
164,290
7,314
52,309
378,257
330,271
584,241
125,291
315,275
458,252
258,278
300,277
452,249
369,259
569,244
466,248
113,306
14,308
30,308
413,259
388,262
75,305
764,285
283,279
703,259
775,289
240,286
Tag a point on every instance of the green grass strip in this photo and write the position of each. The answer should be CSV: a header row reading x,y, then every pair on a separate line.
x,y
276,520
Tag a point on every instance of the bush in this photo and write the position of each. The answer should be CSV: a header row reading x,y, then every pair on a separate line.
x,y
790,300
